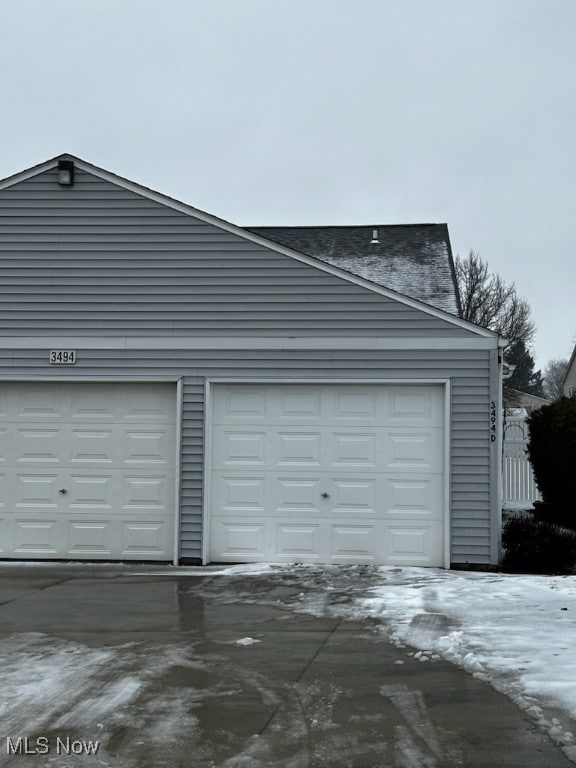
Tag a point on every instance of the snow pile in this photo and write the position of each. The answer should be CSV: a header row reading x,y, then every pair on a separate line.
x,y
516,632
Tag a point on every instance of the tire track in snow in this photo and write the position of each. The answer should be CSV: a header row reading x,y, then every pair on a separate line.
x,y
411,706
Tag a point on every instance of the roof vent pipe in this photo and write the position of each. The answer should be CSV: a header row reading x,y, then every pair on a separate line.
x,y
374,236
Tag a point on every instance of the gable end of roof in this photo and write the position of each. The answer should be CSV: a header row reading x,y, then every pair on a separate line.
x,y
255,235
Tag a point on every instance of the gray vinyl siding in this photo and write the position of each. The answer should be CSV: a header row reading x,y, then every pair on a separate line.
x,y
192,465
97,259
469,372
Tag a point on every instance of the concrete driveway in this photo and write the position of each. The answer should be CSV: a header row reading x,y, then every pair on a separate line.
x,y
150,667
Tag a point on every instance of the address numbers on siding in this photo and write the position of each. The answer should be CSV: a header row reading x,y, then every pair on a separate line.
x,y
62,357
493,421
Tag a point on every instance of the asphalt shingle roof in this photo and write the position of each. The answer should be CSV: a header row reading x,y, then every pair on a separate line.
x,y
412,259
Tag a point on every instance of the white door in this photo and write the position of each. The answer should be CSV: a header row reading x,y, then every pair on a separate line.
x,y
333,473
87,471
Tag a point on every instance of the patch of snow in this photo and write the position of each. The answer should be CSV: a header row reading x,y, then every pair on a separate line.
x,y
247,641
247,569
513,631
516,632
518,506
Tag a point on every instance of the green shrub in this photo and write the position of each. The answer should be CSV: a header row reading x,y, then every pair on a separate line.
x,y
534,547
552,453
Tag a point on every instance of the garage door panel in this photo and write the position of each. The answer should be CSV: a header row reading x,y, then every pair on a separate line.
x,y
239,449
411,543
6,493
145,447
245,404
92,445
298,540
380,449
302,449
148,405
327,473
6,534
352,450
239,540
414,405
354,496
92,403
355,542
87,466
34,402
144,539
39,445
351,405
413,496
295,495
90,538
241,494
6,441
35,490
36,536
145,492
295,405
412,450
91,493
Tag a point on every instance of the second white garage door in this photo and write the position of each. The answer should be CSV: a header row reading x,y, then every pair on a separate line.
x,y
327,473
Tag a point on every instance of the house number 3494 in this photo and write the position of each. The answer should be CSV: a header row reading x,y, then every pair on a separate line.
x,y
62,356
493,421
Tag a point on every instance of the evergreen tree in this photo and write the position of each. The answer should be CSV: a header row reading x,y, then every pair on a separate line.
x,y
524,377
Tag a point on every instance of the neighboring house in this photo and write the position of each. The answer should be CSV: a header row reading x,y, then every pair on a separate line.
x,y
514,398
570,379
176,388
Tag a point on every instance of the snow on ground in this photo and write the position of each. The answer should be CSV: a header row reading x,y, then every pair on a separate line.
x,y
513,631
516,632
52,685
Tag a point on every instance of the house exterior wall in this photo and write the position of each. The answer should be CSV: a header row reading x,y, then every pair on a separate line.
x,y
471,451
142,291
570,380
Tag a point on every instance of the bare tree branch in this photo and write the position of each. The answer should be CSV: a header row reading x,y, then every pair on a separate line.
x,y
554,375
488,301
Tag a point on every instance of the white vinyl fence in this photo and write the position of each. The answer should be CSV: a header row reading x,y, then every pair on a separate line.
x,y
518,482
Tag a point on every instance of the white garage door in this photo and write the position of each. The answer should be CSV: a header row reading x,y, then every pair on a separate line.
x,y
327,473
87,471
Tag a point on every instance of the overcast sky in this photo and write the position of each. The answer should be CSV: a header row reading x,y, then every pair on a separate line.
x,y
321,112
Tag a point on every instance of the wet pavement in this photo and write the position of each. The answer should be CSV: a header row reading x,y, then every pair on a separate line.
x,y
133,667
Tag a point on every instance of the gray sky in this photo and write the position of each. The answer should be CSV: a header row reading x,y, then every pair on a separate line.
x,y
321,112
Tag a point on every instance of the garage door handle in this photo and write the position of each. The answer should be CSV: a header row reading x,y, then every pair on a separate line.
x,y
63,490
325,495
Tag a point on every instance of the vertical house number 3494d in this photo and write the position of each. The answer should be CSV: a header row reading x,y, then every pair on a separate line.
x,y
493,421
